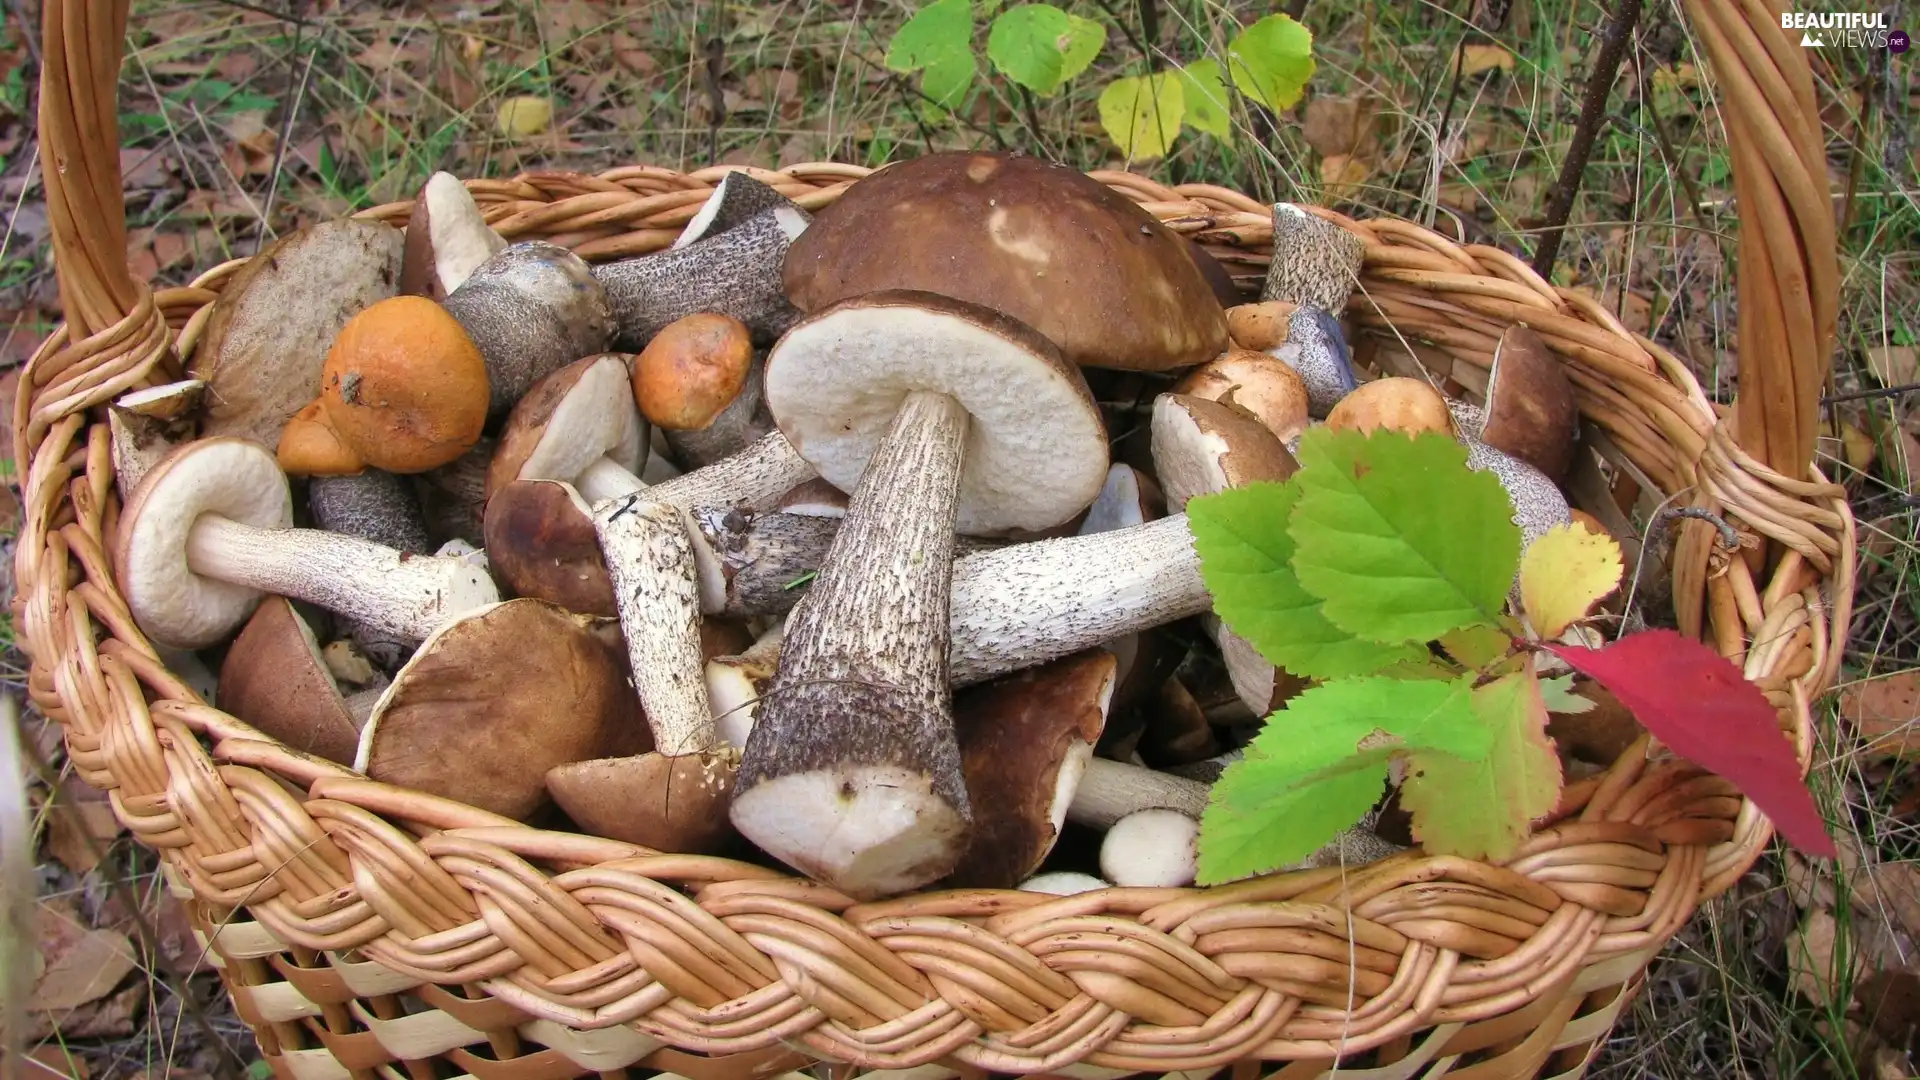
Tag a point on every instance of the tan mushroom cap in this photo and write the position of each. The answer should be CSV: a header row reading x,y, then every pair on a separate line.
x,y
1397,403
276,678
404,386
1201,447
1260,326
447,238
665,803
1530,411
541,544
567,420
493,700
1025,740
1046,244
692,370
1263,385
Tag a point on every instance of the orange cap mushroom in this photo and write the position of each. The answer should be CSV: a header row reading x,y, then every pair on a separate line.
x,y
1397,403
691,370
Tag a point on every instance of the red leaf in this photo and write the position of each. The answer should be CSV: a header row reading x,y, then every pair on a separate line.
x,y
1695,700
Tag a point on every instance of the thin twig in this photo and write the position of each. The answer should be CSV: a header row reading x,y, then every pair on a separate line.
x,y
286,133
1862,395
1126,30
1613,46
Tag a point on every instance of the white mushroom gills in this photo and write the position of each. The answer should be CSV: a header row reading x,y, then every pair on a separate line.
x,y
650,560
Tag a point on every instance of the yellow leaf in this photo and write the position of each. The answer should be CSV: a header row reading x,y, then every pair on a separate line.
x,y
1564,573
525,115
1481,58
1341,175
1142,114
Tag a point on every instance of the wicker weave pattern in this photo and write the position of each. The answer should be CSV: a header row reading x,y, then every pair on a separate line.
x,y
368,930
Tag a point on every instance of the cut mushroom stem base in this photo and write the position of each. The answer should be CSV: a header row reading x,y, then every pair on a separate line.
x,y
389,591
852,774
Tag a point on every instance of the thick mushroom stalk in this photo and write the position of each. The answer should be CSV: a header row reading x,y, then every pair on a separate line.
x,y
735,272
853,772
209,533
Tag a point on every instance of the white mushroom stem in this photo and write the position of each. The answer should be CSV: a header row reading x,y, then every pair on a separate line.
x,y
763,471
1110,790
650,561
852,773
408,596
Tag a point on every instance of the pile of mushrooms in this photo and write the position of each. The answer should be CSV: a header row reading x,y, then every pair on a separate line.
x,y
852,542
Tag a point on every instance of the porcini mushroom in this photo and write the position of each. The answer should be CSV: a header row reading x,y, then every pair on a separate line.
x,y
447,239
275,678
540,543
403,389
208,533
1265,386
734,272
1083,265
146,424
267,336
1316,263
494,699
531,308
927,409
1024,742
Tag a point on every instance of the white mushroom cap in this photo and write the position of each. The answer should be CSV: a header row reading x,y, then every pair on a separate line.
x,y
233,478
1062,883
1036,450
1151,848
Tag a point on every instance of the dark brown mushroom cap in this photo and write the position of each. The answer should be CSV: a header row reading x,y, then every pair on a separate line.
x,y
276,679
1530,408
1024,741
1046,244
540,543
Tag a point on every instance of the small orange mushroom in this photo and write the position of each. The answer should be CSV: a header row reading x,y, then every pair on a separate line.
x,y
692,370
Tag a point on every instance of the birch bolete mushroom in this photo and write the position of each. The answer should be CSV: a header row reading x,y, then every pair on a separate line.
x,y
1153,848
734,272
1395,403
1083,265
578,424
1025,740
276,678
1530,412
494,699
1316,263
1259,326
531,308
209,533
447,239
403,389
737,199
1262,385
940,416
146,424
1316,347
376,506
541,544
268,335
1063,883
1201,447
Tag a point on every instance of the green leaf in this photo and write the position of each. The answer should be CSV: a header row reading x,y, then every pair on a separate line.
x,y
1205,90
1398,538
1142,114
1320,763
1482,808
1271,61
1040,46
1559,696
937,41
1241,537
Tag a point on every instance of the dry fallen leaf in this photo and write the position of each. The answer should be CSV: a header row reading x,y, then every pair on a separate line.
x,y
1883,711
1336,126
525,115
1341,176
1479,58
1811,957
1889,890
79,830
78,965
1894,365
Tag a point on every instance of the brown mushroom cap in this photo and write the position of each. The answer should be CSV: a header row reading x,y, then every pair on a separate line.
x,y
1201,447
692,370
540,543
1025,740
1530,410
492,701
276,678
404,386
621,798
1397,403
1260,326
567,420
1046,244
447,237
1263,385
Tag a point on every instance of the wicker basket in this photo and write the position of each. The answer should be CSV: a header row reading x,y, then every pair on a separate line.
x,y
370,931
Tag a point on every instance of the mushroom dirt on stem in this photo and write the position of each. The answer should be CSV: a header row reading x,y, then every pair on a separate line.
x,y
939,415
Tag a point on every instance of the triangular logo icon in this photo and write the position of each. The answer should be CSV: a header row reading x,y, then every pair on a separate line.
x,y
1808,41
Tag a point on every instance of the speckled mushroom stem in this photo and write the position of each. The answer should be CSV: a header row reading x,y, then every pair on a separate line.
x,y
735,272
388,591
852,773
753,563
650,560
765,470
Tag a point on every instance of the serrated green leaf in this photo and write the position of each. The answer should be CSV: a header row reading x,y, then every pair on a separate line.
x,y
1476,646
1142,114
1205,90
945,81
1271,61
936,34
1320,763
1245,553
1483,808
1397,537
1559,696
